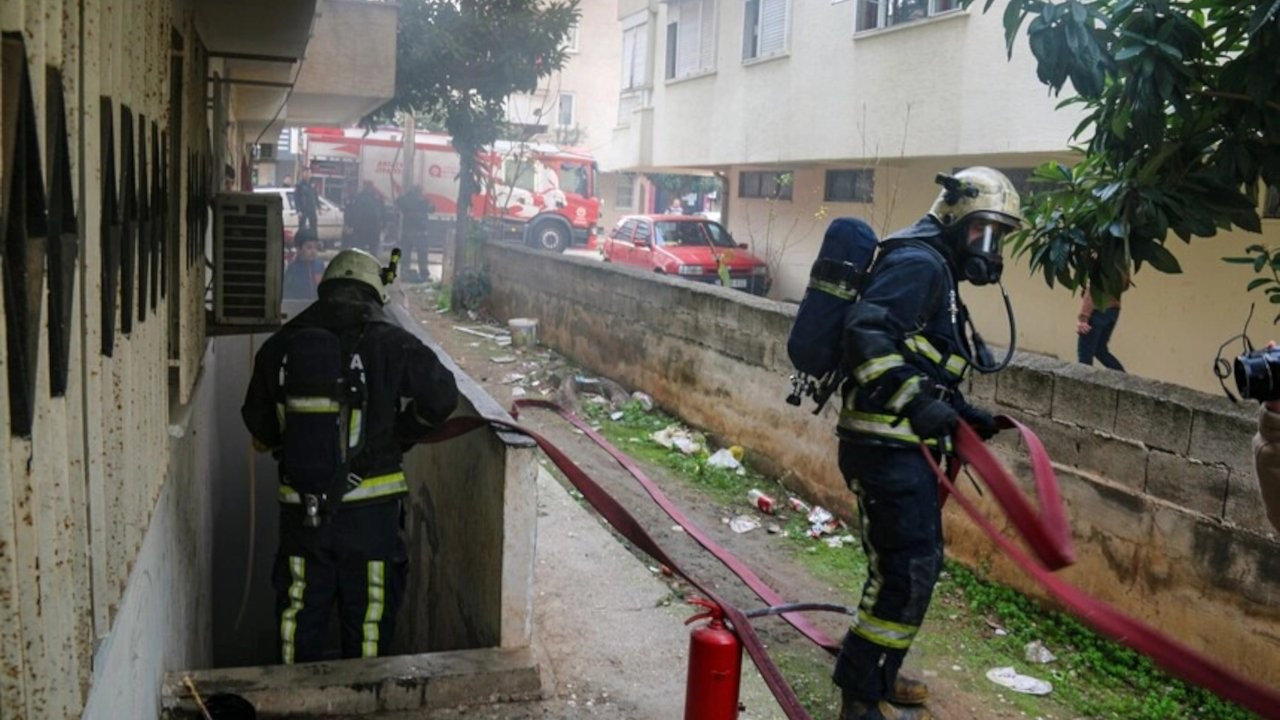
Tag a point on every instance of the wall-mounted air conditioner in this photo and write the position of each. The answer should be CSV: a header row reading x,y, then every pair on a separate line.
x,y
248,257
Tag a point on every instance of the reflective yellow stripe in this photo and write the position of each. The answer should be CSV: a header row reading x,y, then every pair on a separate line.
x,y
956,365
280,415
374,487
884,632
379,486
373,610
889,426
353,429
289,618
831,288
875,367
311,405
909,390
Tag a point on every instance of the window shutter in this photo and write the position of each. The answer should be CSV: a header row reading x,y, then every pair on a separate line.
x,y
773,26
688,38
707,49
640,65
628,59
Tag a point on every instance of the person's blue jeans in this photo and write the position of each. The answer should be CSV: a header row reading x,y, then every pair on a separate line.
x,y
1093,344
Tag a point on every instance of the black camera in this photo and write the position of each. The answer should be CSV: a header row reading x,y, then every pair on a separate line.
x,y
1258,374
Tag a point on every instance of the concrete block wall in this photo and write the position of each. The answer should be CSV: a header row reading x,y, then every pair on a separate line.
x,y
1157,479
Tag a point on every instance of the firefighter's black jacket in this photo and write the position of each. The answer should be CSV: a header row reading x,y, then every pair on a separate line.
x,y
899,337
398,367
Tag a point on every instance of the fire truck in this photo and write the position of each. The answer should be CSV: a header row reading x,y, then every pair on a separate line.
x,y
539,194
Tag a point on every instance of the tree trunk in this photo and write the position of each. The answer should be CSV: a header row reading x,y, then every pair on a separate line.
x,y
456,257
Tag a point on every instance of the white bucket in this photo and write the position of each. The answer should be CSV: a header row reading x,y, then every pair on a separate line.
x,y
524,332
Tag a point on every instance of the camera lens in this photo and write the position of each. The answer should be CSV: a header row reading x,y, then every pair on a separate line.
x,y
1254,375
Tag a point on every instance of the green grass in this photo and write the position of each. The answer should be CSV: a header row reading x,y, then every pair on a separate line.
x,y
1092,677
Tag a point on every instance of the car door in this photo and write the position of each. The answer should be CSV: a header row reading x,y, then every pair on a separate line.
x,y
329,222
618,244
642,245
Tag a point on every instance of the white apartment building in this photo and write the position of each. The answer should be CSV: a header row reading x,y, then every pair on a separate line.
x,y
828,108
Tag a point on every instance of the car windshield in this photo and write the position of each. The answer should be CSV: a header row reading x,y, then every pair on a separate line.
x,y
692,232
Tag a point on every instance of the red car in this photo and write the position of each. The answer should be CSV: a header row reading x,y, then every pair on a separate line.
x,y
687,246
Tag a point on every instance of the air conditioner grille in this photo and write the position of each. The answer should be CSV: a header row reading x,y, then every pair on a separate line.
x,y
249,258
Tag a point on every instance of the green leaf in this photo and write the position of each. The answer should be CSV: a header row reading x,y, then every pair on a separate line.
x,y
1261,15
1258,282
1259,263
1130,52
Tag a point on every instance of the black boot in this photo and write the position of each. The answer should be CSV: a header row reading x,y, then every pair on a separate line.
x,y
851,709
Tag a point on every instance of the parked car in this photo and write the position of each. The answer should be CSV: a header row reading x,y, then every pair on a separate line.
x,y
328,216
688,246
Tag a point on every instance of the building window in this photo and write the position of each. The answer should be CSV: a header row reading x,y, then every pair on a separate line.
x,y
691,37
850,186
1271,206
635,50
873,14
571,42
765,184
565,118
626,198
764,29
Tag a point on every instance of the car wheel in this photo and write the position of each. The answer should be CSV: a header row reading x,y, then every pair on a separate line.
x,y
550,236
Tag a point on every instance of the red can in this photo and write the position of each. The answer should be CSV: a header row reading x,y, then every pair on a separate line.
x,y
762,501
715,667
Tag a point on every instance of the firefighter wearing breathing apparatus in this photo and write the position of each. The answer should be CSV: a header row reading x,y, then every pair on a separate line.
x,y
906,353
335,395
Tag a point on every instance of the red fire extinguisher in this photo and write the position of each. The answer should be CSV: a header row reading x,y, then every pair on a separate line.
x,y
715,667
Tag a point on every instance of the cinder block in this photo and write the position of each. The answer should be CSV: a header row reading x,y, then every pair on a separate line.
x,y
1192,484
1080,401
1244,505
982,387
1026,388
1220,438
1121,461
1155,421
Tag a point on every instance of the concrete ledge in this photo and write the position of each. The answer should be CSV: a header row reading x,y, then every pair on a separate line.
x,y
360,687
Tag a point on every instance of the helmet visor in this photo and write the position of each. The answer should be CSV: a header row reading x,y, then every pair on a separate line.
x,y
986,237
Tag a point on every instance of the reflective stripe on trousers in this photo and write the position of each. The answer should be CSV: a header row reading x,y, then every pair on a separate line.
x,y
289,618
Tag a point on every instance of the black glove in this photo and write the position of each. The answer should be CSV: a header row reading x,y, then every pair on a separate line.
x,y
930,417
983,422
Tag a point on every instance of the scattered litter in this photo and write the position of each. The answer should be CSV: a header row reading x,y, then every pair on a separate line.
x,y
503,341
524,332
821,522
585,384
474,344
645,401
1036,652
512,378
677,528
503,359
743,523
799,505
722,458
517,392
773,528
1010,678
674,436
838,541
755,497
616,416
653,569
737,452
487,335
819,515
1001,632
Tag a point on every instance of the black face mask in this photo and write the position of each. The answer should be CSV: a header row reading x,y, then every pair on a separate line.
x,y
979,259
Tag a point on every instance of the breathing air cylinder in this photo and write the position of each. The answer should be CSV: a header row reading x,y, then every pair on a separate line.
x,y
715,667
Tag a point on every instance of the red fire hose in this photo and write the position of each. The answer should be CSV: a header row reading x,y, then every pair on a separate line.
x,y
1047,533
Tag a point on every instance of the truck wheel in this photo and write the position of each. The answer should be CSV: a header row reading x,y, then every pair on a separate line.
x,y
550,236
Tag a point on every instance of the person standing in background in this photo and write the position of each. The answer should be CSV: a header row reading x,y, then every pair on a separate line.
x,y
1095,325
308,203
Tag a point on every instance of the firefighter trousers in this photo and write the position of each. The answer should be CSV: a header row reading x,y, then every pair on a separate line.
x,y
901,527
357,560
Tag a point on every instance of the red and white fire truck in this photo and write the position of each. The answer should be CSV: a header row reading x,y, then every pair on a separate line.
x,y
540,194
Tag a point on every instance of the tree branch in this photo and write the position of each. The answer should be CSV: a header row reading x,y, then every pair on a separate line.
x,y
1236,96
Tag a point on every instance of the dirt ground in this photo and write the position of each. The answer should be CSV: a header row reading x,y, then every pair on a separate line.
x,y
959,691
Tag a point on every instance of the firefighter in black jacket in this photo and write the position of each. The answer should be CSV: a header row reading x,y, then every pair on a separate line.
x,y
906,353
334,395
